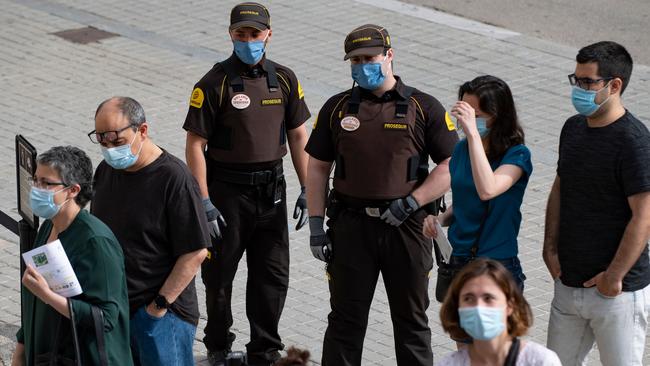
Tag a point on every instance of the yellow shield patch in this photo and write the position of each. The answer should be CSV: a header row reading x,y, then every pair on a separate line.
x,y
450,124
301,93
196,100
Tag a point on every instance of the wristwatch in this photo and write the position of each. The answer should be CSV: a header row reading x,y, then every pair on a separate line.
x,y
161,302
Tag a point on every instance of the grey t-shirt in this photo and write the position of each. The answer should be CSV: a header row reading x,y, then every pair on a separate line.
x,y
599,168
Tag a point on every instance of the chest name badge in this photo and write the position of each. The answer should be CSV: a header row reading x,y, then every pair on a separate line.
x,y
350,123
395,126
240,101
271,101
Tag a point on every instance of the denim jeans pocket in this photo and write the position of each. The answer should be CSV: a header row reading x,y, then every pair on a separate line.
x,y
146,322
151,317
603,296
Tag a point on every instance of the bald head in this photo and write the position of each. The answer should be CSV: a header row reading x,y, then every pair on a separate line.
x,y
129,109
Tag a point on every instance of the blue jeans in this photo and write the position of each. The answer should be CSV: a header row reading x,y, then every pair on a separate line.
x,y
165,341
512,264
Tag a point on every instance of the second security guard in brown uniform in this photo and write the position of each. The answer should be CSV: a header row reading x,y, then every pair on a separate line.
x,y
380,134
245,110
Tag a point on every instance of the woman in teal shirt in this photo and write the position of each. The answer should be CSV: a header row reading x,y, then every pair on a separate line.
x,y
489,171
61,187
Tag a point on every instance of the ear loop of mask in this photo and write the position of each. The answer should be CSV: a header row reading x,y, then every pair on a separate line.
x,y
64,202
141,142
608,96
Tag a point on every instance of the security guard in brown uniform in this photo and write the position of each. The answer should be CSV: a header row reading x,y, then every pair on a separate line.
x,y
380,135
245,110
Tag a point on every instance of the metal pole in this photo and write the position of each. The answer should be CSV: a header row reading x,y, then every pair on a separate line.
x,y
27,236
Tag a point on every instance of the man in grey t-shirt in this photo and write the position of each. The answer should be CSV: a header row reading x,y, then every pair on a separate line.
x,y
597,219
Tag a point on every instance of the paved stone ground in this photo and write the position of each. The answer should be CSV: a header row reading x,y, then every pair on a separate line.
x,y
50,89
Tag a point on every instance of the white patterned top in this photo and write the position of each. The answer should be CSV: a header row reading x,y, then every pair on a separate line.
x,y
531,354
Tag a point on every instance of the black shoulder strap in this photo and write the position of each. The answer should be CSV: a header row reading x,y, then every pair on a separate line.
x,y
75,337
234,79
402,105
474,248
55,345
355,101
98,318
513,353
271,75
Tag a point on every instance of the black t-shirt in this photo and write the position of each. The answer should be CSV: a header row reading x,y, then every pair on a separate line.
x,y
599,168
157,215
435,132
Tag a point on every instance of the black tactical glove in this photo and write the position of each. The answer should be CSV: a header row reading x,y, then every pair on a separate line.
x,y
399,210
319,242
215,219
300,211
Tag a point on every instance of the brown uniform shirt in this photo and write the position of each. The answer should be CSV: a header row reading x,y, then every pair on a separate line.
x,y
376,148
250,128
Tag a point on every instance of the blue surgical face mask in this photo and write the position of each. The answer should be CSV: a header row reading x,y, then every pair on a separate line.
x,y
584,101
481,126
482,323
250,53
369,76
121,157
42,202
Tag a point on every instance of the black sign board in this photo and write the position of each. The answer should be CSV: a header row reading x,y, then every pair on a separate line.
x,y
25,169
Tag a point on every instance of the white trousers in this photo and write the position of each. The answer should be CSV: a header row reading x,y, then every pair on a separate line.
x,y
580,316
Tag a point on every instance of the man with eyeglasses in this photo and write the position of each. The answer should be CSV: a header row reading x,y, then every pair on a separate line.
x,y
598,218
152,203
244,115
380,134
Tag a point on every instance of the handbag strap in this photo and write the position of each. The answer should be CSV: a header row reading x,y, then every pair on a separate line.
x,y
98,317
513,353
474,248
55,347
75,338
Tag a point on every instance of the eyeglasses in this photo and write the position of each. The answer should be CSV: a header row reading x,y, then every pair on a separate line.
x,y
108,136
585,83
42,184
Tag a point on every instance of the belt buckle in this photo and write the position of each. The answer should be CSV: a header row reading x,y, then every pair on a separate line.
x,y
261,177
373,211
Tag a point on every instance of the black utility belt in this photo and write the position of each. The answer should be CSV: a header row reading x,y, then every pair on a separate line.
x,y
371,208
369,211
261,177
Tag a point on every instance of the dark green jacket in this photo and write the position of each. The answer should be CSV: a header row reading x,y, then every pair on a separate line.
x,y
98,262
